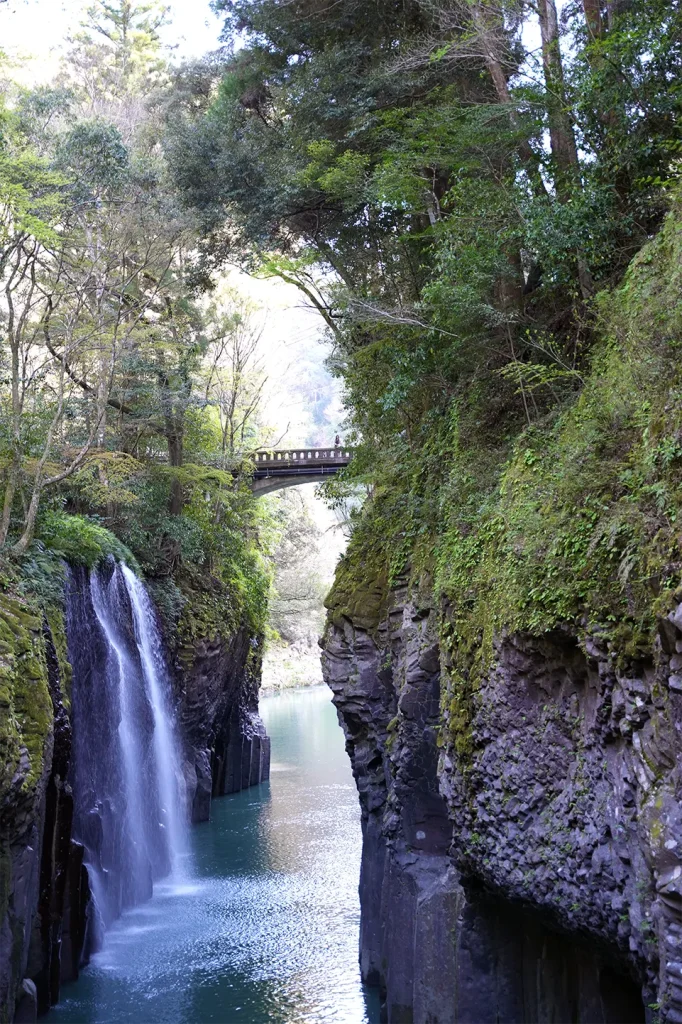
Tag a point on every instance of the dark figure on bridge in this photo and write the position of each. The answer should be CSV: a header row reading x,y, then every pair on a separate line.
x,y
337,441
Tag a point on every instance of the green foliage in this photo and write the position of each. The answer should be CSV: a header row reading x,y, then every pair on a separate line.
x,y
452,223
41,575
115,374
360,589
94,155
521,438
207,565
627,94
117,50
424,185
31,198
80,540
570,522
584,520
299,588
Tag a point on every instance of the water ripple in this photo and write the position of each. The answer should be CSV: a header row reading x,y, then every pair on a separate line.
x,y
267,933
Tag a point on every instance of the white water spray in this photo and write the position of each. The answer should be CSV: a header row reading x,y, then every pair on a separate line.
x,y
130,800
119,675
172,796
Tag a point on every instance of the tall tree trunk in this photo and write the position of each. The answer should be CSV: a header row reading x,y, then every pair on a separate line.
x,y
29,522
14,325
487,25
562,137
561,134
10,491
593,18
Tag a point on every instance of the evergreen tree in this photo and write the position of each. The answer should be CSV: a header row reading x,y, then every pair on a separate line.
x,y
116,58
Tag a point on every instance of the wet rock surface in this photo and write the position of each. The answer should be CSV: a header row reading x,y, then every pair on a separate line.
x,y
227,749
531,872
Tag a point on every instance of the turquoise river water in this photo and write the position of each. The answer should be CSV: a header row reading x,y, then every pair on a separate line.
x,y
266,929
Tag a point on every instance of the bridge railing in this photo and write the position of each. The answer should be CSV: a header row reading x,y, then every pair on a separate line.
x,y
300,457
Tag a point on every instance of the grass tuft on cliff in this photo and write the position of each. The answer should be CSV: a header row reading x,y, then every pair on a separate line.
x,y
81,540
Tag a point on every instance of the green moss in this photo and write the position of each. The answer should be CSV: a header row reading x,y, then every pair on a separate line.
x,y
206,615
573,521
57,625
215,607
81,540
25,704
582,526
361,589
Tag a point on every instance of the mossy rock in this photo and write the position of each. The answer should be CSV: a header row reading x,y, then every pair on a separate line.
x,y
210,612
360,591
26,715
81,540
56,623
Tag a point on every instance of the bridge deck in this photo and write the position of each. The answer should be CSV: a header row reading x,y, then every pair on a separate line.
x,y
296,461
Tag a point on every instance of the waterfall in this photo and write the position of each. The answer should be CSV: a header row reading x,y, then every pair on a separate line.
x,y
129,793
169,775
120,676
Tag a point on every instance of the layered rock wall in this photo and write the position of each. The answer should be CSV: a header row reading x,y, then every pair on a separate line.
x,y
520,861
227,748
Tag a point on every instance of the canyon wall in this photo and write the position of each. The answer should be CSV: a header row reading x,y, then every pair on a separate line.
x,y
216,684
522,840
504,643
44,892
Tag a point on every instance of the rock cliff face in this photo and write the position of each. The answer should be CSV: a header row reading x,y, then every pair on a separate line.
x,y
42,887
226,746
522,843
44,891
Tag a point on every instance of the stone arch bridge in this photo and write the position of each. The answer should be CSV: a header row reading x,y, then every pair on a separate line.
x,y
278,468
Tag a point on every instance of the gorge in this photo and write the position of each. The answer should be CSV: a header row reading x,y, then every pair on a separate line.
x,y
479,204
505,893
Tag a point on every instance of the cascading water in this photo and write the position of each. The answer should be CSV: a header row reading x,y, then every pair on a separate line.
x,y
171,787
129,792
121,677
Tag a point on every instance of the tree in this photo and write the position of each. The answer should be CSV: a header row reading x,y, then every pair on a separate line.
x,y
82,291
234,379
457,201
296,608
105,344
115,61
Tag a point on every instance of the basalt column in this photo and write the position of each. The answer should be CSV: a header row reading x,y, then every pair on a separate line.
x,y
446,937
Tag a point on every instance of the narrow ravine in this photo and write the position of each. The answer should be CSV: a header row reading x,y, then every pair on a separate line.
x,y
267,931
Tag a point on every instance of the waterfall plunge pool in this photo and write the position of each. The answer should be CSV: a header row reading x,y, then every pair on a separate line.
x,y
266,932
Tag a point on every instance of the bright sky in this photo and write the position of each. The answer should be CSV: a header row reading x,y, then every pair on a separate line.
x,y
38,28
292,335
